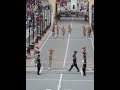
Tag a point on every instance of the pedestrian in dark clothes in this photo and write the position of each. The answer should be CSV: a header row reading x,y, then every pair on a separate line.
x,y
84,54
84,68
74,62
38,65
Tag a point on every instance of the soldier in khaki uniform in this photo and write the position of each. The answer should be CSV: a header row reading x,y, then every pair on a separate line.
x,y
53,31
84,31
58,30
89,32
63,31
69,29
50,59
36,50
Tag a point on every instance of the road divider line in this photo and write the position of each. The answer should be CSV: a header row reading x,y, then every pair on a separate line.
x,y
66,51
59,85
42,79
67,46
45,41
60,82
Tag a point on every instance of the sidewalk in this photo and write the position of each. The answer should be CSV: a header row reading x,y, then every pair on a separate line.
x,y
28,61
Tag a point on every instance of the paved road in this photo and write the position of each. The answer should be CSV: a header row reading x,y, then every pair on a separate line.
x,y
59,78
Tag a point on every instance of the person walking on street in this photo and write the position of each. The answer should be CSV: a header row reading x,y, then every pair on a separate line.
x,y
50,59
84,68
69,29
84,54
63,31
74,62
84,31
38,65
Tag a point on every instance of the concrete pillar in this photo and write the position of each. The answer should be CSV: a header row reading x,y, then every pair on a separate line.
x,y
53,4
91,2
90,15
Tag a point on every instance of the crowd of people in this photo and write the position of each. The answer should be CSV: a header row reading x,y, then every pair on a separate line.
x,y
87,31
56,30
31,7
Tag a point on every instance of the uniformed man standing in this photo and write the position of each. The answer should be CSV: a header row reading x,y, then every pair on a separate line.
x,y
89,32
53,31
74,62
69,29
50,59
57,30
38,65
84,68
36,50
84,54
84,31
63,31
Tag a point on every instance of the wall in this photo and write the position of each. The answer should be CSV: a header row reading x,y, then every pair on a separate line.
x,y
91,2
53,4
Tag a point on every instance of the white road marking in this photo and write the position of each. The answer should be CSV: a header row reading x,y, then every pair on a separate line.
x,y
42,45
66,51
59,85
45,41
79,80
67,47
73,71
42,79
32,61
48,89
60,82
92,43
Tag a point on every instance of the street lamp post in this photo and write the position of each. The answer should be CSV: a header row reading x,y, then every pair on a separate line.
x,y
29,33
37,21
44,20
47,17
29,18
50,17
40,26
33,26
